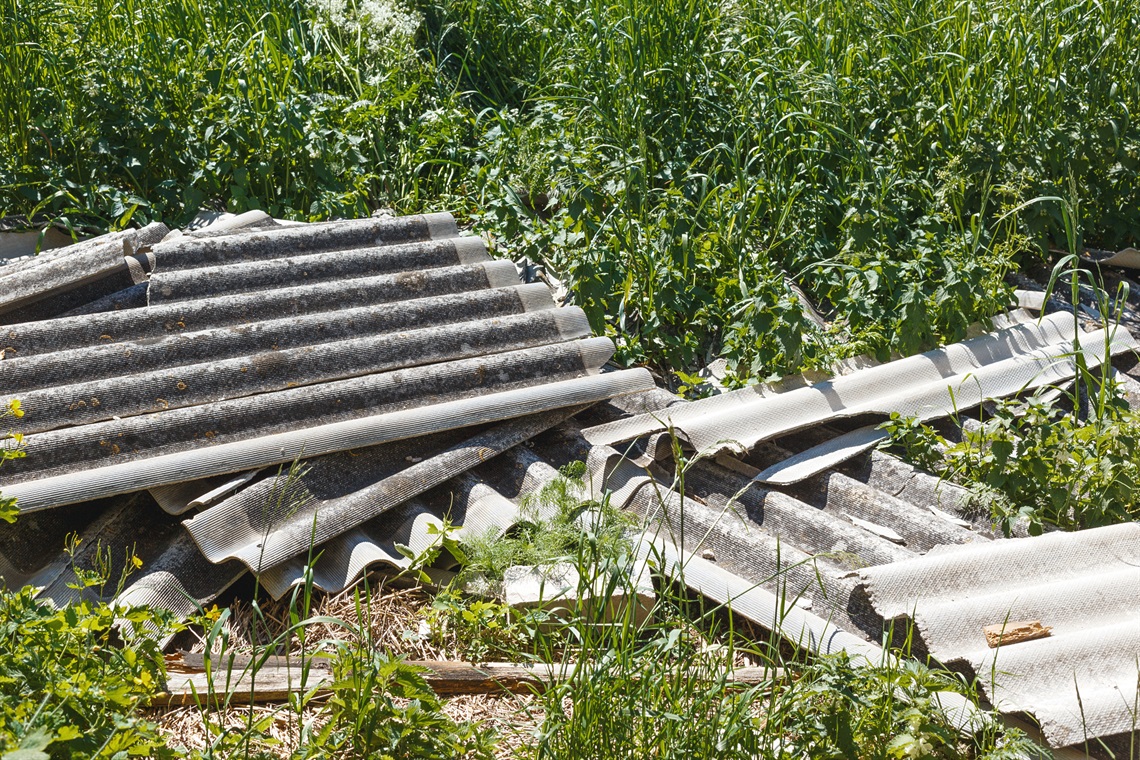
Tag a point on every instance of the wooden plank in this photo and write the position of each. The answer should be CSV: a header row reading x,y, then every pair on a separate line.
x,y
1014,631
234,680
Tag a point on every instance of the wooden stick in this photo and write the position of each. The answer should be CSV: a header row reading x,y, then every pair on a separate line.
x,y
234,680
1014,631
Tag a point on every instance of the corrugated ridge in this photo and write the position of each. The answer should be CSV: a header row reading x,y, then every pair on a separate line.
x,y
139,437
249,277
900,480
48,285
91,362
344,558
814,517
129,240
799,579
400,286
159,469
318,302
189,252
27,267
112,280
49,406
922,529
922,388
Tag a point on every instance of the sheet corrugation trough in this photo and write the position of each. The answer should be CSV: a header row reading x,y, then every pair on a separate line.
x,y
170,454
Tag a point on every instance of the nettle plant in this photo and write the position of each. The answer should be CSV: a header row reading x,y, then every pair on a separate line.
x,y
1033,461
10,444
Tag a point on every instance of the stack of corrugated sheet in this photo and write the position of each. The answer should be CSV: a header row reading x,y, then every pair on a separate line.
x,y
788,496
389,354
402,368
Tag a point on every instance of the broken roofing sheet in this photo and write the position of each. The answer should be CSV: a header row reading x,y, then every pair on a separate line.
x,y
391,354
863,541
1022,356
1082,679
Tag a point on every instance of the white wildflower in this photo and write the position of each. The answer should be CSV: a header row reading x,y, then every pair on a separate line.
x,y
380,24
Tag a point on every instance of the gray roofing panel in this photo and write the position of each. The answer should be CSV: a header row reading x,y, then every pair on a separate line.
x,y
359,346
930,385
298,409
192,251
1081,681
424,335
73,479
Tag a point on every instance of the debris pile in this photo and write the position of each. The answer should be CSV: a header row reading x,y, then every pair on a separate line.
x,y
164,409
312,401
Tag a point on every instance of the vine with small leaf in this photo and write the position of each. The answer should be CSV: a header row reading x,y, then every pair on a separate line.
x,y
11,447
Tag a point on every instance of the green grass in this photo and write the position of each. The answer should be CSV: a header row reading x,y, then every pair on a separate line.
x,y
683,162
156,108
71,686
1065,457
555,525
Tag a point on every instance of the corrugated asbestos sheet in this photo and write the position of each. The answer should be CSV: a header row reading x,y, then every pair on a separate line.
x,y
1078,682
788,497
387,356
414,380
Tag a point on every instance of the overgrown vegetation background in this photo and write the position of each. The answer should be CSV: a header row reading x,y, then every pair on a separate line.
x,y
684,162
